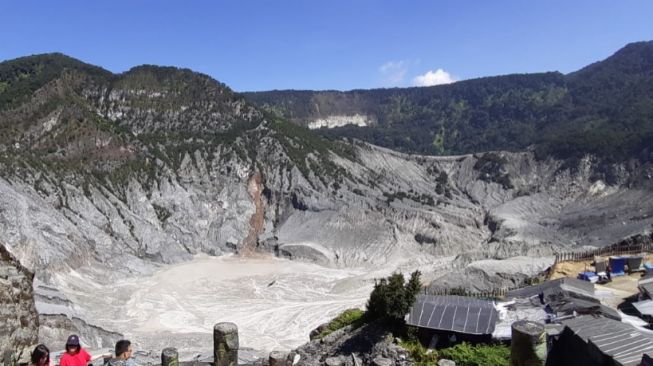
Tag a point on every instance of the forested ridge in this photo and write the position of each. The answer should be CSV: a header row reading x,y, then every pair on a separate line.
x,y
605,109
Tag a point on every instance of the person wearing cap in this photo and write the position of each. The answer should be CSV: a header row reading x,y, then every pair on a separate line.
x,y
75,355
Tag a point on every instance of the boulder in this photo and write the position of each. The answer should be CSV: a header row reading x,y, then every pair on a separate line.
x,y
382,361
445,362
335,361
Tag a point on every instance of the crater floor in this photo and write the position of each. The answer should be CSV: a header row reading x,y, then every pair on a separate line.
x,y
274,302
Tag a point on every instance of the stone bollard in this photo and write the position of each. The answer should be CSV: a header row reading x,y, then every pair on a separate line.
x,y
169,357
278,358
528,346
225,344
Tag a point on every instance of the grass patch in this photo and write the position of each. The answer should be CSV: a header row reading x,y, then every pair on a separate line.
x,y
465,354
420,354
352,317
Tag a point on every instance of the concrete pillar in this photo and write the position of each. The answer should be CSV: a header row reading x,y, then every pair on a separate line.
x,y
225,344
278,358
528,346
169,357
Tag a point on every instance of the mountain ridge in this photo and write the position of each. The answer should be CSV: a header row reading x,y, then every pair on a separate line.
x,y
603,109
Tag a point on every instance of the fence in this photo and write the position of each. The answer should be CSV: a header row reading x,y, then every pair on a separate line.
x,y
621,248
492,294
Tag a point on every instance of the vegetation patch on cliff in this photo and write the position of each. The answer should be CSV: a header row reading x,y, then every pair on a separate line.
x,y
463,354
353,317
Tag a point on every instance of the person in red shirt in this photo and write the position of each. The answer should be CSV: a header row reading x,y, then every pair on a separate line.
x,y
75,355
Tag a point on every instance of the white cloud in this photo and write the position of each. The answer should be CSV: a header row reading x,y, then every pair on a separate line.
x,y
431,78
394,72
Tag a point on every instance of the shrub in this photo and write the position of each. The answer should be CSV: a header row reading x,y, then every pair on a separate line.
x,y
420,355
392,298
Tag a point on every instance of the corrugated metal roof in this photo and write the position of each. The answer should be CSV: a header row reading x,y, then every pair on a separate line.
x,y
648,278
566,283
568,302
646,288
453,313
644,307
623,342
514,310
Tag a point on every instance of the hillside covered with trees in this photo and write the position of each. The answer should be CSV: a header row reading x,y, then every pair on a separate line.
x,y
604,109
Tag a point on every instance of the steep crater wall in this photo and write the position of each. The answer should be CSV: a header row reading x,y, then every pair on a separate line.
x,y
18,317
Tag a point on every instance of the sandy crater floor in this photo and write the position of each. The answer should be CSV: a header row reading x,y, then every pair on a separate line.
x,y
274,302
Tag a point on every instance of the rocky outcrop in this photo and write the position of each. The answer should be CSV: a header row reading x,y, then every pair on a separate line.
x,y
54,330
492,274
339,121
370,344
18,317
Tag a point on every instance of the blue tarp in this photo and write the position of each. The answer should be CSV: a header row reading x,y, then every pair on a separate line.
x,y
648,267
617,266
588,276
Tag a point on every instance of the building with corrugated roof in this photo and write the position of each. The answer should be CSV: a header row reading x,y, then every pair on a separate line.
x,y
443,320
599,341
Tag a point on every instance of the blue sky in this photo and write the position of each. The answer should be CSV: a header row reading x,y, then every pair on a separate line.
x,y
335,44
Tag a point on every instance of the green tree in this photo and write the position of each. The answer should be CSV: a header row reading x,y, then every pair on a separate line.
x,y
392,297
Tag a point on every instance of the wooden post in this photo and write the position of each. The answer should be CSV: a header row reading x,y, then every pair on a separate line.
x,y
225,344
169,357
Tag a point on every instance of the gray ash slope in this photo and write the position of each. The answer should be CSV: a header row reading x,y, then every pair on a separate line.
x,y
119,174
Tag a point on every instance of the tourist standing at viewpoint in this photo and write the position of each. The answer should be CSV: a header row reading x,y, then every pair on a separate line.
x,y
123,354
75,355
40,356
